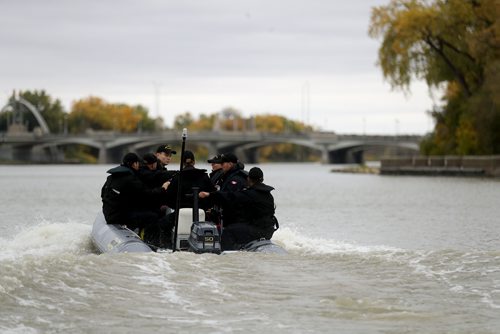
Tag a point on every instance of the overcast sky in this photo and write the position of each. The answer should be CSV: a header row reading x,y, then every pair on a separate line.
x,y
308,60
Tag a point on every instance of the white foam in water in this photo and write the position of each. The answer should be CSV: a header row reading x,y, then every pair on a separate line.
x,y
47,239
159,273
295,241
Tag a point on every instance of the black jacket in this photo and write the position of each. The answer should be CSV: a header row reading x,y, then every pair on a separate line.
x,y
191,177
123,192
215,175
254,205
234,180
162,174
148,177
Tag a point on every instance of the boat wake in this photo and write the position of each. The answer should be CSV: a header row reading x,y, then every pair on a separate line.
x,y
48,239
54,238
296,242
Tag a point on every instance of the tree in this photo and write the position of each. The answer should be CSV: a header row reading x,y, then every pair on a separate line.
x,y
451,44
146,123
183,121
96,114
231,119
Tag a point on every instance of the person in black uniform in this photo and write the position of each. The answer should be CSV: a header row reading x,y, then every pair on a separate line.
x,y
125,199
164,157
234,178
148,170
191,177
254,209
153,178
217,170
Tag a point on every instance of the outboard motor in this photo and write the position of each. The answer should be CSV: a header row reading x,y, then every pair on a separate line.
x,y
204,238
184,226
194,235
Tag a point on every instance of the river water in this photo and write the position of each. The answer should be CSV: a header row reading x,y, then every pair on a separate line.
x,y
366,254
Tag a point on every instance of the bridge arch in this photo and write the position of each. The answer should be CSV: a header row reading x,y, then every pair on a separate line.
x,y
34,111
353,152
249,150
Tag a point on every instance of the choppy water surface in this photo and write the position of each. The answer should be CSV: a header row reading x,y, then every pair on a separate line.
x,y
367,254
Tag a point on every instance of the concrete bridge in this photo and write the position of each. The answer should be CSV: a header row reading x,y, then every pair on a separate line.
x,y
40,145
110,146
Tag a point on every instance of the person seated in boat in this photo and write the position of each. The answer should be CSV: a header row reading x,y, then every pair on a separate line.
x,y
148,170
149,174
125,200
190,177
254,211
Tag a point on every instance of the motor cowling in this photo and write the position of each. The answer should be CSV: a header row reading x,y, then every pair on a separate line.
x,y
204,238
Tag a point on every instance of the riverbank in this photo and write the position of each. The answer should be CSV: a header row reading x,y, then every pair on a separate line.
x,y
359,169
485,166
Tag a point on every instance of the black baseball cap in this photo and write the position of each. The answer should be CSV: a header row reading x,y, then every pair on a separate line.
x,y
165,148
216,159
130,158
149,158
229,157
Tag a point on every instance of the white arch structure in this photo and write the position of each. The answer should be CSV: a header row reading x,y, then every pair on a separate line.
x,y
39,118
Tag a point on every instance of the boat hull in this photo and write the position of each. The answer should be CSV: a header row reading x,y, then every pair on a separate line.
x,y
264,246
111,238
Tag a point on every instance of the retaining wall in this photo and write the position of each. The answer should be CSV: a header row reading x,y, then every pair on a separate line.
x,y
443,165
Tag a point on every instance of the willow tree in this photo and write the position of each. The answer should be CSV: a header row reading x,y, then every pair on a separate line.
x,y
453,45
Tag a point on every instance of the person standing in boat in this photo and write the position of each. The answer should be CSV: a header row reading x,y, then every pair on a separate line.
x,y
217,170
234,178
125,199
191,177
254,211
164,155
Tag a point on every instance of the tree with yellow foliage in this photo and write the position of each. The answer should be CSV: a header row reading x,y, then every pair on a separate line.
x,y
96,114
231,119
451,44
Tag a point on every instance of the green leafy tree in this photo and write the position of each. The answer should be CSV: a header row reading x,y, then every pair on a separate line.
x,y
451,44
183,121
146,123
